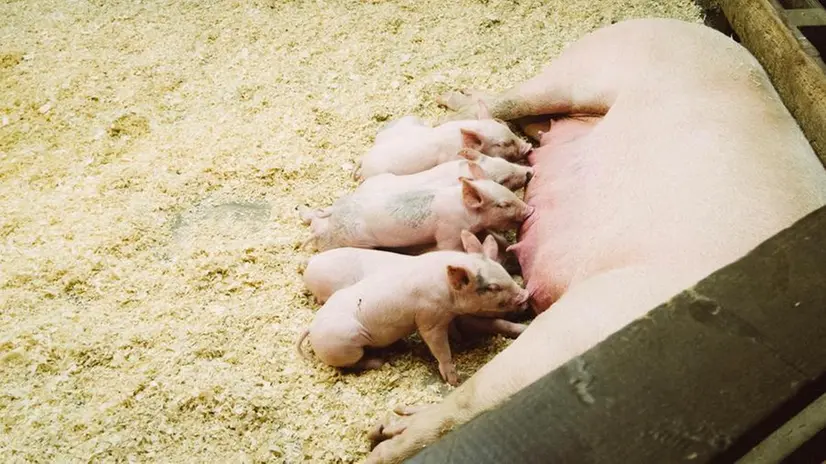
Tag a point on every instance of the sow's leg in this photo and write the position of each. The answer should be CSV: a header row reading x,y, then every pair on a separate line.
x,y
583,317
585,79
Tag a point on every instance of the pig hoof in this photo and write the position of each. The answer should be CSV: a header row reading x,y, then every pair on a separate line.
x,y
306,214
376,435
449,375
303,245
394,424
454,100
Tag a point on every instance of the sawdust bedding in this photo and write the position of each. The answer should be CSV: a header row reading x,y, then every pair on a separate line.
x,y
151,157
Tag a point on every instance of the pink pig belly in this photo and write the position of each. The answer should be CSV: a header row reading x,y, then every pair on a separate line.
x,y
614,193
544,239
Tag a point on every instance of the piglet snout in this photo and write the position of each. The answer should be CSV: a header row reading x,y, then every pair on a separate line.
x,y
528,211
521,300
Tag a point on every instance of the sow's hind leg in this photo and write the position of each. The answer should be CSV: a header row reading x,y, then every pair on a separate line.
x,y
585,79
582,318
459,101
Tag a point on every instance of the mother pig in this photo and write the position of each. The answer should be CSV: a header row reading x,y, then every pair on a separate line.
x,y
684,160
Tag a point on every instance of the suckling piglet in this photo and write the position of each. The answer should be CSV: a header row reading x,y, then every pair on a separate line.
x,y
472,164
330,271
410,146
333,270
421,294
417,217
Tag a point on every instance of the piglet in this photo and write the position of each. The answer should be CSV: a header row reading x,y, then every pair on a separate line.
x,y
473,164
417,217
410,146
421,294
330,271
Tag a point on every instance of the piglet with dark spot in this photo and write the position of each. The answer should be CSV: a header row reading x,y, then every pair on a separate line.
x,y
417,217
423,294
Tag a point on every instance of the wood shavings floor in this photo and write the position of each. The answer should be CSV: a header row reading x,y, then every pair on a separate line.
x,y
151,157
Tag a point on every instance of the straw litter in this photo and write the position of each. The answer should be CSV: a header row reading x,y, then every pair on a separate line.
x,y
152,154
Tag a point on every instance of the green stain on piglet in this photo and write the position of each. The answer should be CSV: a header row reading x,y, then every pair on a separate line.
x,y
411,208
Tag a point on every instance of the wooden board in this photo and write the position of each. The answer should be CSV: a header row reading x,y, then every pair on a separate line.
x,y
807,17
704,378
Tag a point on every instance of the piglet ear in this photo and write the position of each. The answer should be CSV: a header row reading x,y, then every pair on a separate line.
x,y
469,154
512,248
476,171
490,247
471,196
471,242
483,112
471,139
458,277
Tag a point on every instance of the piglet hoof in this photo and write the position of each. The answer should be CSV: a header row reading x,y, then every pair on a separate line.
x,y
449,374
306,243
306,214
302,266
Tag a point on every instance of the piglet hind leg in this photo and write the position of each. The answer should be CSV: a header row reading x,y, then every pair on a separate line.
x,y
586,315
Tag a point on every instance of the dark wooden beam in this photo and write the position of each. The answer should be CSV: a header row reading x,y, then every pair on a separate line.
x,y
807,17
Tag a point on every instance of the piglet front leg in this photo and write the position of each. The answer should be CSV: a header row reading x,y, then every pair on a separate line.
x,y
449,238
437,340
